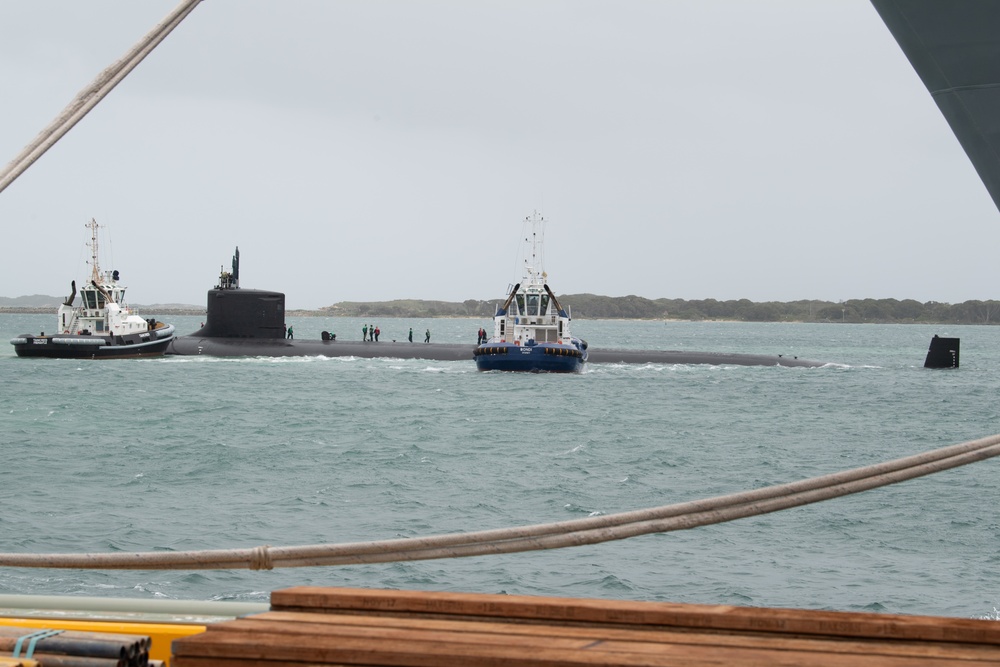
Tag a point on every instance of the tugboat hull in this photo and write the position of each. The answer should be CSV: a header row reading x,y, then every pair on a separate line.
x,y
529,358
152,343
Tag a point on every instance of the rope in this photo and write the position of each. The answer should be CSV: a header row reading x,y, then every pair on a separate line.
x,y
260,558
592,530
88,98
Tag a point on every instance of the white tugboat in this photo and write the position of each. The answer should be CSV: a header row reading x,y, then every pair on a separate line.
x,y
101,326
531,331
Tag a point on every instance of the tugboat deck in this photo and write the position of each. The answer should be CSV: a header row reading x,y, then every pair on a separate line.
x,y
341,626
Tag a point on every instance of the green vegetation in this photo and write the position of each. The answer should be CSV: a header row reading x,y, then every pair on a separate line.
x,y
595,307
410,308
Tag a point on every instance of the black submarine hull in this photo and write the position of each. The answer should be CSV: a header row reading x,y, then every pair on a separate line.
x,y
278,347
195,345
616,356
251,323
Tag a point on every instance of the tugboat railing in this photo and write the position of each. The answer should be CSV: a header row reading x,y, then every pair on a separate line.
x,y
72,324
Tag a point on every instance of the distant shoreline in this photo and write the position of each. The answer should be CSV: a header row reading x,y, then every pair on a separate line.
x,y
167,313
596,307
51,310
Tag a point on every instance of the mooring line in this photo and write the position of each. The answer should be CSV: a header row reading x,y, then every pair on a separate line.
x,y
90,96
577,532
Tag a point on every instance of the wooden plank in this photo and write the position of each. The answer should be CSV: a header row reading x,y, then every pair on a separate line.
x,y
619,612
309,627
356,625
449,650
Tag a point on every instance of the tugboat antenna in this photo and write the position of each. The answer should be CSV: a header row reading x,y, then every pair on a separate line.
x,y
534,266
95,269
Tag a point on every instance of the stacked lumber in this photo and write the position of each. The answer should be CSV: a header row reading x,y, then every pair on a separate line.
x,y
343,626
67,648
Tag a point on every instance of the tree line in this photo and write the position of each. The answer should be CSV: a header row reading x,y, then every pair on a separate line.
x,y
593,306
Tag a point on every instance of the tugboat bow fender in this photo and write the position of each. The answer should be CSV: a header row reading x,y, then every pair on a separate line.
x,y
492,349
79,341
563,351
132,345
164,332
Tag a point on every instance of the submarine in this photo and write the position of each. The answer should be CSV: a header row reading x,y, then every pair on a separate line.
x,y
251,323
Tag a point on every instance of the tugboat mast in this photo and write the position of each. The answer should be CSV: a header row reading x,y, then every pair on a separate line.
x,y
95,270
534,265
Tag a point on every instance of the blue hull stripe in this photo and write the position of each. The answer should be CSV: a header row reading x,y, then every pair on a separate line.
x,y
548,358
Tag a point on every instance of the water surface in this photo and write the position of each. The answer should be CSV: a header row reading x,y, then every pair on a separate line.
x,y
188,453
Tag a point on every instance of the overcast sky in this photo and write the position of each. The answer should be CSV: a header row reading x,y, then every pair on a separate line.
x,y
769,150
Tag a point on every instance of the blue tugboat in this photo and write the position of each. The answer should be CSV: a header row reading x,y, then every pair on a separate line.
x,y
531,331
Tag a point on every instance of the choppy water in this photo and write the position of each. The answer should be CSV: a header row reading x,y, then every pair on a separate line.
x,y
202,453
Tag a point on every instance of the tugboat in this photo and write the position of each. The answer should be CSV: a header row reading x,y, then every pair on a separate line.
x,y
101,326
531,331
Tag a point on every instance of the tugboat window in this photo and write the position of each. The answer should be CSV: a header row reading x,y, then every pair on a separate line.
x,y
532,304
545,304
520,304
89,300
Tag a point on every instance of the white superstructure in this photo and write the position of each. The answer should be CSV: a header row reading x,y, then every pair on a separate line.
x,y
102,309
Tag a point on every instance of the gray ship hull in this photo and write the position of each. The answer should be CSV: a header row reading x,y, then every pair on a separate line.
x,y
954,47
614,356
277,347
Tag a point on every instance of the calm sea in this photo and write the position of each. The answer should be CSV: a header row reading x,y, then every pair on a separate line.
x,y
186,453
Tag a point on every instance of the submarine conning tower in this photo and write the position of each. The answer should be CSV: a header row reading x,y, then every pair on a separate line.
x,y
242,313
943,353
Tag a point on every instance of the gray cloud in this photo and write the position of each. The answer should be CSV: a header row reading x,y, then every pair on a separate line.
x,y
774,150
